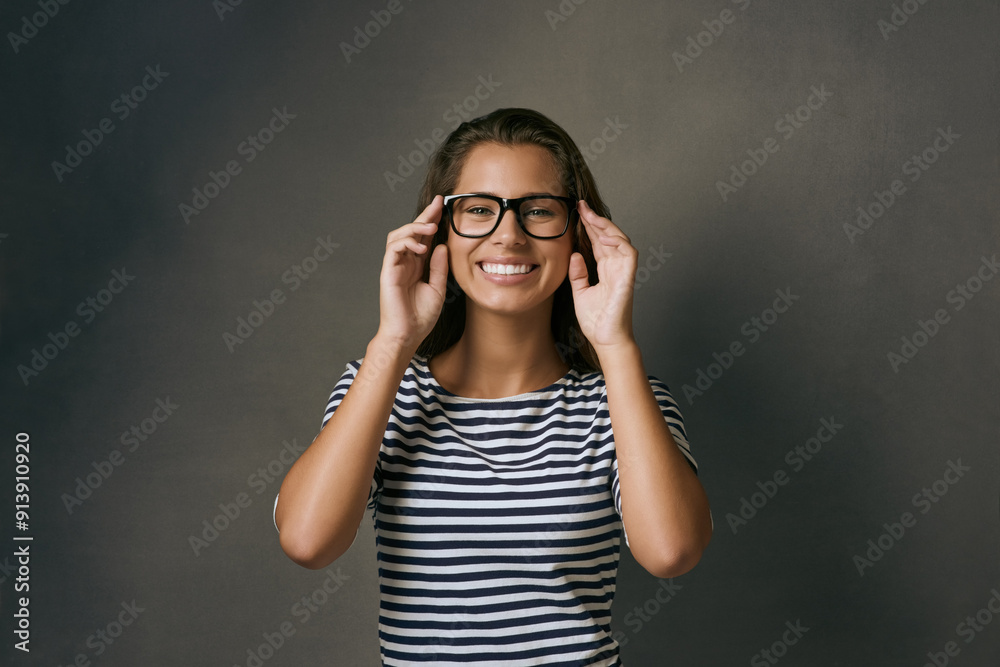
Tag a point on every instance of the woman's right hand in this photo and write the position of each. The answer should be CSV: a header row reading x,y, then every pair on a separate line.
x,y
409,307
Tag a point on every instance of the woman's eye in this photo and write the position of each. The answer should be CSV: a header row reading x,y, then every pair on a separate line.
x,y
538,212
480,210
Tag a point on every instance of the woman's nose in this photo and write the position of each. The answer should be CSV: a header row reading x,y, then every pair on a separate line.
x,y
509,230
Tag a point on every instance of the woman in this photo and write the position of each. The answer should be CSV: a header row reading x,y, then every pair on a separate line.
x,y
501,425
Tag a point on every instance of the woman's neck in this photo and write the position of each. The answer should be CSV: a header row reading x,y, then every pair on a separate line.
x,y
500,355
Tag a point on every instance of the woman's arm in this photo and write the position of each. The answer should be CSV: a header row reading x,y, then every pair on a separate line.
x,y
323,497
664,507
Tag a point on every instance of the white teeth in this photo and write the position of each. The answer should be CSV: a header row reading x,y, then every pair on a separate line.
x,y
505,269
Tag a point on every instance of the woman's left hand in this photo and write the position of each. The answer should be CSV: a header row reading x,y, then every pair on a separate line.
x,y
604,310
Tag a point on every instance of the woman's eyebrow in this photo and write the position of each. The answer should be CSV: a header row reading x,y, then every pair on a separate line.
x,y
526,194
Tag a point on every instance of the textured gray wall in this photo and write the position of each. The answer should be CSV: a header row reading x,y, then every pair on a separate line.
x,y
604,71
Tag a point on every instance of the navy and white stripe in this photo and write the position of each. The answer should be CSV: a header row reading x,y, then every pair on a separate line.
x,y
498,522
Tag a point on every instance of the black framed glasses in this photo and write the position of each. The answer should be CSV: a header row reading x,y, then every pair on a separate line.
x,y
540,216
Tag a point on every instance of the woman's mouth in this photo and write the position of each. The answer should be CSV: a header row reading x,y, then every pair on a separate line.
x,y
508,274
506,269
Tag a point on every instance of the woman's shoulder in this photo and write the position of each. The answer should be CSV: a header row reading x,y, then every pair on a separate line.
x,y
593,380
585,378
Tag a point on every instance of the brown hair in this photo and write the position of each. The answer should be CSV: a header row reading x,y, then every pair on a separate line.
x,y
509,128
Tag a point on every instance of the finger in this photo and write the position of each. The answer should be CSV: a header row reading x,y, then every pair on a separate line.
x,y
597,246
585,218
608,245
400,247
438,277
413,229
577,273
430,218
613,240
432,213
433,210
602,224
591,217
426,223
422,232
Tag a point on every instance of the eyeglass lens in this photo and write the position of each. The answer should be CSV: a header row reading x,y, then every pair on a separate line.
x,y
541,216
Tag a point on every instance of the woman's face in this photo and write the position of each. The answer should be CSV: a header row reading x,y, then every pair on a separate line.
x,y
509,172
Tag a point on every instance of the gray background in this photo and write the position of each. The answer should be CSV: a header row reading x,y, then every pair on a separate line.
x,y
323,176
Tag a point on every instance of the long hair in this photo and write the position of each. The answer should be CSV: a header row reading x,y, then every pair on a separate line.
x,y
510,128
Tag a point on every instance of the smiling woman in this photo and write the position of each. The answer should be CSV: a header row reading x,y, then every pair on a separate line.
x,y
505,440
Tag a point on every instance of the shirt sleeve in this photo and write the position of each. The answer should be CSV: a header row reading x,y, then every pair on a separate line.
x,y
675,422
339,391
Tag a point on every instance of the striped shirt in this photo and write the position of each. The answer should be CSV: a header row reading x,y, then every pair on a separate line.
x,y
498,522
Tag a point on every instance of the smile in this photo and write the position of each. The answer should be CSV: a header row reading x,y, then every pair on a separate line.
x,y
507,269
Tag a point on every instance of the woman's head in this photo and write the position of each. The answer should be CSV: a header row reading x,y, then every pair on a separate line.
x,y
497,136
